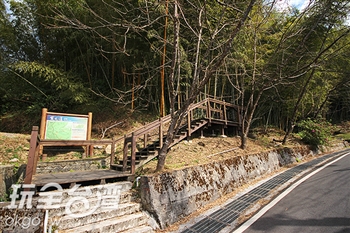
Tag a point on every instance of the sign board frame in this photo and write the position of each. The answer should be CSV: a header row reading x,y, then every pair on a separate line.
x,y
79,125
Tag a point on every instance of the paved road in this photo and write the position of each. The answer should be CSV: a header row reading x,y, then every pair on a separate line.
x,y
320,204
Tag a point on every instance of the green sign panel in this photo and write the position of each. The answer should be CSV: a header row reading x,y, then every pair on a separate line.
x,y
60,127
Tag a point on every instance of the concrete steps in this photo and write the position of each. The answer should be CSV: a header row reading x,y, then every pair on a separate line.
x,y
70,222
82,210
112,225
75,207
141,229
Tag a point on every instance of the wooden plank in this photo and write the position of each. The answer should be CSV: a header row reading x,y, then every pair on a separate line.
x,y
76,177
222,122
48,142
222,102
67,114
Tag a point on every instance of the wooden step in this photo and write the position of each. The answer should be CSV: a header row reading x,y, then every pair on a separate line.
x,y
138,157
153,147
99,176
145,152
128,162
119,167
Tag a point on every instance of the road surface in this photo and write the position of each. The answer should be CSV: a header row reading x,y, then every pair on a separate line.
x,y
319,204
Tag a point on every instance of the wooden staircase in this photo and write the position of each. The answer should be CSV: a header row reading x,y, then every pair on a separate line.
x,y
138,151
140,146
146,154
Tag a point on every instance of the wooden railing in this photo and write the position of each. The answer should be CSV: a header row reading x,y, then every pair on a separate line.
x,y
212,110
36,143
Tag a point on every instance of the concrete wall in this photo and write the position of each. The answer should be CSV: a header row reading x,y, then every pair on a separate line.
x,y
173,195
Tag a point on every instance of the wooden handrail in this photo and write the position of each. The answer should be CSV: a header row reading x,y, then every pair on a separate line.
x,y
158,124
36,143
50,142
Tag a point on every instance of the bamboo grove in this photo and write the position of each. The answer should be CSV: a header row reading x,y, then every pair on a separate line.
x,y
282,65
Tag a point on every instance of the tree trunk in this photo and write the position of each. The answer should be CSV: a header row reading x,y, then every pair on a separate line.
x,y
163,151
244,140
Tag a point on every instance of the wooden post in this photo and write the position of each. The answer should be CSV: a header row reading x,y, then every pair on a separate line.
x,y
223,131
160,132
30,169
42,127
90,148
84,155
42,123
133,152
112,153
125,154
225,113
189,124
145,140
208,111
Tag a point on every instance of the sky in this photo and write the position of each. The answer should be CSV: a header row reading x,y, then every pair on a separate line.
x,y
299,3
285,4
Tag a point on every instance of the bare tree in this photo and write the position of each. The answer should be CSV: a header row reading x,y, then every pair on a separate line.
x,y
205,64
265,70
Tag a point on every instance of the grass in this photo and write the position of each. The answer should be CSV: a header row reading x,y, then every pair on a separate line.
x,y
344,136
13,147
184,154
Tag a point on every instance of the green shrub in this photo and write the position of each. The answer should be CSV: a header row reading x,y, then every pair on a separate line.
x,y
315,132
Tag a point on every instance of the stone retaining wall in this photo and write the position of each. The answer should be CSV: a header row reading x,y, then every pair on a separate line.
x,y
173,195
7,178
73,165
21,220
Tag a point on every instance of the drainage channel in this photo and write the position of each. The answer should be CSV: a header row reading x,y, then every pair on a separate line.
x,y
229,213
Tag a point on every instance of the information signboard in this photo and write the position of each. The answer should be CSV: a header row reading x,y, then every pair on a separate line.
x,y
66,127
62,126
